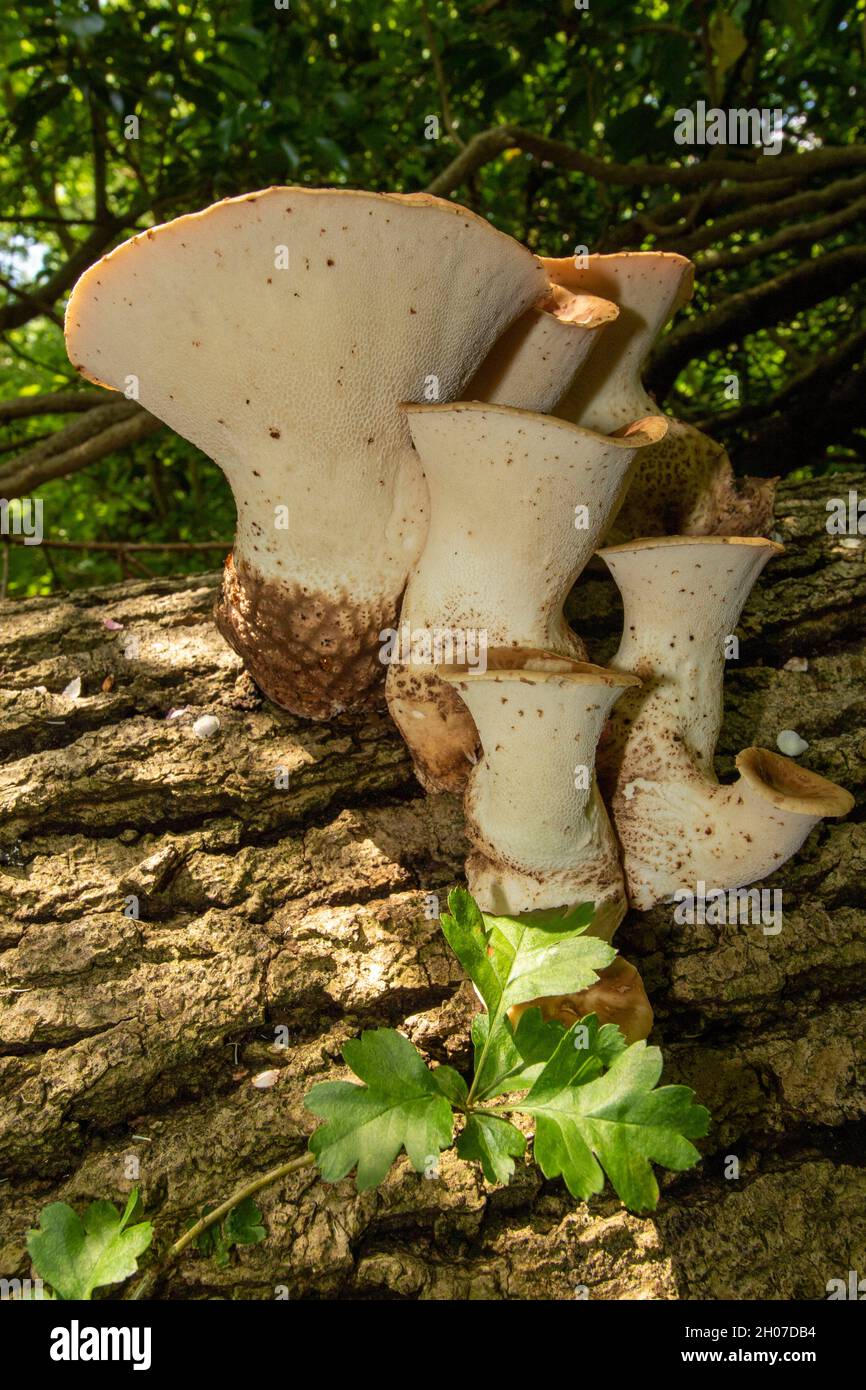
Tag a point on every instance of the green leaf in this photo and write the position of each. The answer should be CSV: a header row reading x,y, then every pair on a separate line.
x,y
514,959
514,1057
615,1122
243,1225
400,1107
536,1038
727,40
212,1242
466,933
452,1085
76,1256
546,953
492,1142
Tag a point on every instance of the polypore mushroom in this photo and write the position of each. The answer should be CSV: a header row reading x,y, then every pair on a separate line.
x,y
536,360
686,485
279,332
677,826
518,502
618,996
539,831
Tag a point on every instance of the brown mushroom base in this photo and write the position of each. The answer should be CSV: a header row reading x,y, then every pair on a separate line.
x,y
436,726
312,653
508,891
618,996
685,486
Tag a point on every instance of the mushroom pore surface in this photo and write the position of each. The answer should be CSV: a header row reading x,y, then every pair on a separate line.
x,y
279,332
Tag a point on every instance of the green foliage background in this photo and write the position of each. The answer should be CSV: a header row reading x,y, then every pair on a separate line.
x,y
233,95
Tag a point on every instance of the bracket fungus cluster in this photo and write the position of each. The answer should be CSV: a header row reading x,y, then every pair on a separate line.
x,y
412,409
518,503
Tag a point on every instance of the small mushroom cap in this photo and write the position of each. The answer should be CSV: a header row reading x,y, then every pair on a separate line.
x,y
582,310
688,542
789,787
661,281
535,361
648,287
634,435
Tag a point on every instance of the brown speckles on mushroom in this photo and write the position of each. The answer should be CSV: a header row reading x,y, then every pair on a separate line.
x,y
676,824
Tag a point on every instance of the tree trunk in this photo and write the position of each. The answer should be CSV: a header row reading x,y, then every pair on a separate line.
x,y
281,872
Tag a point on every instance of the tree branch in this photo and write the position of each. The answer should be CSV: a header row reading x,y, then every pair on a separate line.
x,y
766,214
826,369
114,546
85,253
759,307
52,403
102,431
488,144
480,150
799,232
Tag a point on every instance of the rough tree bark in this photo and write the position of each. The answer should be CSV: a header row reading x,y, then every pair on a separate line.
x,y
304,907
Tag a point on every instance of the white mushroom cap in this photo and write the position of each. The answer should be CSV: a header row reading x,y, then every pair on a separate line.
x,y
648,287
290,379
536,360
504,547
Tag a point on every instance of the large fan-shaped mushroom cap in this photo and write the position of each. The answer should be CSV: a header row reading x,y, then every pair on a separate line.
x,y
278,332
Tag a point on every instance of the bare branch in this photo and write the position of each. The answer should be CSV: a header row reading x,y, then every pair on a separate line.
x,y
86,251
765,304
113,547
63,454
766,214
480,150
33,302
794,235
52,403
488,144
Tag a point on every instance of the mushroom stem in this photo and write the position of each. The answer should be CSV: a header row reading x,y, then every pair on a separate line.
x,y
517,504
539,830
676,825
686,484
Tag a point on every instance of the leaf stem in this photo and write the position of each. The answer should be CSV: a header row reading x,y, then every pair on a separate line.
x,y
273,1175
478,1070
